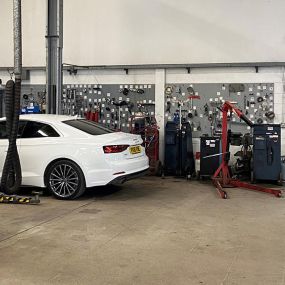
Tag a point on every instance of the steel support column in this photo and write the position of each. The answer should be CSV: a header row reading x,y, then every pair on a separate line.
x,y
54,43
160,108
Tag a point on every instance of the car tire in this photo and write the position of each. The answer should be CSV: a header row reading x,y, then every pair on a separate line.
x,y
65,180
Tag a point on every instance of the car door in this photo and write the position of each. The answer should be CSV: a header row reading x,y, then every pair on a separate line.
x,y
34,151
4,141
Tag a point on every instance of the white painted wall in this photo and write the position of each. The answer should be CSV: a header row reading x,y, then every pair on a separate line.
x,y
110,77
33,29
168,31
152,31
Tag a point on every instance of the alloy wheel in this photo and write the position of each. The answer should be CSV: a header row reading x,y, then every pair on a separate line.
x,y
64,180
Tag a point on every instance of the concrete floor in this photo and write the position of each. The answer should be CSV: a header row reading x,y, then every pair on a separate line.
x,y
150,231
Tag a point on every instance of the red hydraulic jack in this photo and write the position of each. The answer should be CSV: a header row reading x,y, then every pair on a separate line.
x,y
222,178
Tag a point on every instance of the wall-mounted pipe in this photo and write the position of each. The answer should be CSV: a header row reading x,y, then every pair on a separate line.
x,y
176,66
162,66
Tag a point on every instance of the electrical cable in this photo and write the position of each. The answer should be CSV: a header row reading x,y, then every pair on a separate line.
x,y
12,175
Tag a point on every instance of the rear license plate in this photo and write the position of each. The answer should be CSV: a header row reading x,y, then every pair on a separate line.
x,y
135,149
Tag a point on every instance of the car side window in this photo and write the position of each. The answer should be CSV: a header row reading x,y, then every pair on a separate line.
x,y
38,130
3,132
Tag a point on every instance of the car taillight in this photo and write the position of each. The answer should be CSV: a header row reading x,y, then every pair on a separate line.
x,y
115,148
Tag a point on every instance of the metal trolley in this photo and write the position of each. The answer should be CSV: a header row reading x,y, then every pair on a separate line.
x,y
146,126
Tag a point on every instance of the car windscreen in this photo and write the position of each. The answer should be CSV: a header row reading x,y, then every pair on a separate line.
x,y
88,127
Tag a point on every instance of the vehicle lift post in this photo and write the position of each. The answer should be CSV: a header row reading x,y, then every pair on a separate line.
x,y
222,177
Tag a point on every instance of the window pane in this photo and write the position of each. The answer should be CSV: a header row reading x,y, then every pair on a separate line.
x,y
21,127
37,130
88,127
3,132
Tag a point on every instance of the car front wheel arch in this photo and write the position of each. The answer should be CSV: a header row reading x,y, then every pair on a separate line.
x,y
64,179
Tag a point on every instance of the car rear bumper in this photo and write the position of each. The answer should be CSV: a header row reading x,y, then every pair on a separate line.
x,y
120,170
122,179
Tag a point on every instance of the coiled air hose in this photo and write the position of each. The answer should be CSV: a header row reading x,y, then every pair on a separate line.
x,y
12,175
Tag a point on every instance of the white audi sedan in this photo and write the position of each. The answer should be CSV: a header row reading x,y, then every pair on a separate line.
x,y
67,154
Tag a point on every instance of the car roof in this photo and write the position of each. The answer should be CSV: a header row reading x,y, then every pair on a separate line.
x,y
49,118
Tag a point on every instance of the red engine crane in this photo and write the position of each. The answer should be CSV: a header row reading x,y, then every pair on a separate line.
x,y
222,177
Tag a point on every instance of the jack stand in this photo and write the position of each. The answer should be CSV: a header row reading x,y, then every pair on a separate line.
x,y
15,199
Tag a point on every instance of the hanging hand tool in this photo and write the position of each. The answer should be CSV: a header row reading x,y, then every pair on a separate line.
x,y
119,118
191,99
125,91
168,107
100,110
168,90
121,103
190,90
88,113
270,115
206,109
131,107
199,127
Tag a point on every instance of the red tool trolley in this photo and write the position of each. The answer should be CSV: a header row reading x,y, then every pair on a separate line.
x,y
146,126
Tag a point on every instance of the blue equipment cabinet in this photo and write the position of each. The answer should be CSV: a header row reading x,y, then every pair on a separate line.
x,y
209,146
171,148
266,164
179,158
